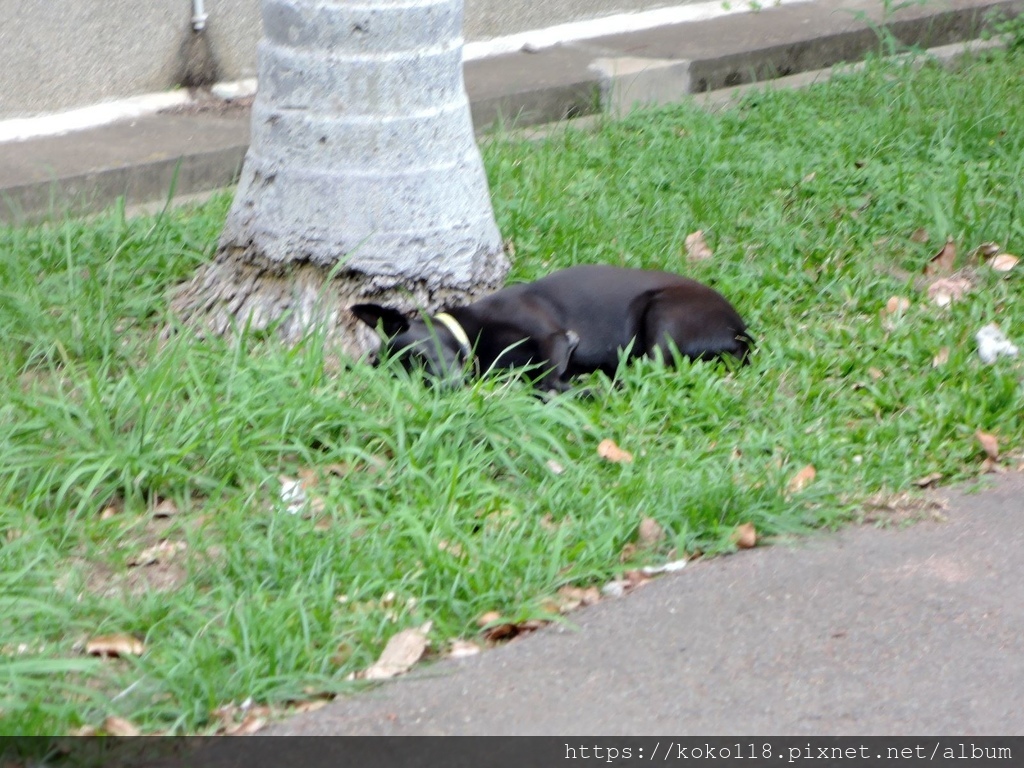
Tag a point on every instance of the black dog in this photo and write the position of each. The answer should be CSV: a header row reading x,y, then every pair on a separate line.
x,y
571,322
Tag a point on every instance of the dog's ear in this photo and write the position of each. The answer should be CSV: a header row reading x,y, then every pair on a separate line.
x,y
392,321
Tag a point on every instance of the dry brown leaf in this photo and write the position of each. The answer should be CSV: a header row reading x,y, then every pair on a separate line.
x,y
802,479
696,247
609,451
875,374
628,552
945,290
991,465
920,235
941,358
896,305
636,578
158,553
985,251
402,651
109,512
118,726
989,443
928,480
250,724
301,707
1004,262
650,532
488,618
570,598
115,646
942,262
510,630
462,649
745,535
499,632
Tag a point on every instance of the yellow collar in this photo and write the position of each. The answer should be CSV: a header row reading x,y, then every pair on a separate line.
x,y
457,331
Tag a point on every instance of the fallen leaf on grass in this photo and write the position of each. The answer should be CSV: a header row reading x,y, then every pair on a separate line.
x,y
301,707
254,717
802,479
942,262
894,308
941,358
495,628
989,443
555,467
745,535
928,480
250,724
629,581
158,553
628,552
650,532
570,598
488,618
696,247
109,512
985,251
115,646
1004,262
988,466
462,649
920,235
402,651
118,726
511,630
946,290
609,451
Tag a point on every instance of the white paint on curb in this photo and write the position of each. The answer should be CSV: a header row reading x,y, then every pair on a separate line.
x,y
19,129
89,117
538,39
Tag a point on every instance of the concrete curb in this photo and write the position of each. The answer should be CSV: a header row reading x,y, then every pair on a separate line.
x,y
201,150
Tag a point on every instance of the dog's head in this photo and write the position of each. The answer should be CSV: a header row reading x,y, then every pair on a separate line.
x,y
418,343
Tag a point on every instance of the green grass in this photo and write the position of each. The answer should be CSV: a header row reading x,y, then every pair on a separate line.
x,y
447,507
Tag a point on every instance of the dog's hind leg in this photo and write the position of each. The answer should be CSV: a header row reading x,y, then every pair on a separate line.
x,y
701,327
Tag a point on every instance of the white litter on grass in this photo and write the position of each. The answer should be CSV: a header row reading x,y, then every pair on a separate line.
x,y
293,495
992,343
653,570
616,588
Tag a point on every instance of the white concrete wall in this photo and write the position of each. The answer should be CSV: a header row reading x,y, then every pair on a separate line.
x,y
61,54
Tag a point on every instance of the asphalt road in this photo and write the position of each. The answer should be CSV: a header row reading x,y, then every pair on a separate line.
x,y
899,630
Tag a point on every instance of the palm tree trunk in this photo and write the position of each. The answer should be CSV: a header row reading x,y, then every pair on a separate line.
x,y
363,180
